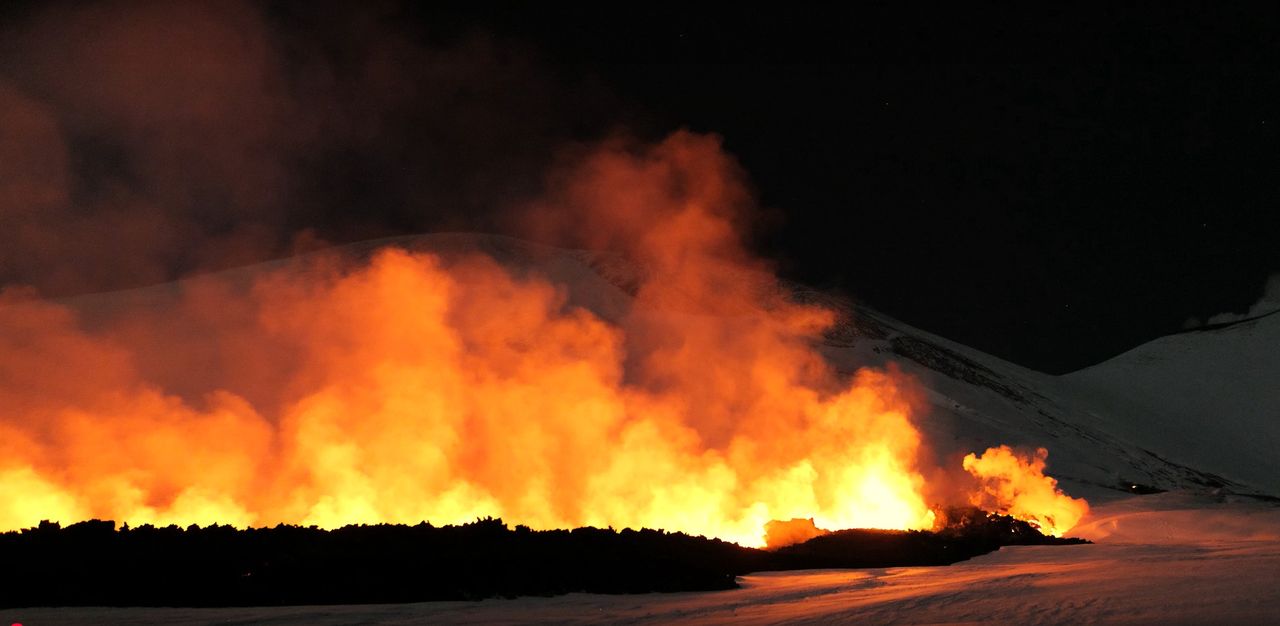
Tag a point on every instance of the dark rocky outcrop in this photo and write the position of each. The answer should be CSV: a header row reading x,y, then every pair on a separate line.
x,y
94,564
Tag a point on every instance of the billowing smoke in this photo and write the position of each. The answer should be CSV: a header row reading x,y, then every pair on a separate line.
x,y
1014,484
146,141
1268,303
141,141
417,386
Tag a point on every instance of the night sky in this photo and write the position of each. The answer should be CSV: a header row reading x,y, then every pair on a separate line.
x,y
1052,208
1051,215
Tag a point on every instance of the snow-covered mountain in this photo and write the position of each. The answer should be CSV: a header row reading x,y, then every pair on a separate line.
x,y
1197,410
1160,417
1209,398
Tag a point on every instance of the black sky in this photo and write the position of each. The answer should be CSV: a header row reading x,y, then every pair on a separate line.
x,y
1048,214
1052,186
1053,208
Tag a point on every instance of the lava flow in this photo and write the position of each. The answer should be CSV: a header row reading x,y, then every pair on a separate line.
x,y
415,386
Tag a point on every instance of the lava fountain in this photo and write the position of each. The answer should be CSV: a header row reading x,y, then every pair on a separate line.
x,y
414,386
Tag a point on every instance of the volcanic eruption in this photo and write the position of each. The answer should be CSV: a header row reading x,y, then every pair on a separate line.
x,y
410,385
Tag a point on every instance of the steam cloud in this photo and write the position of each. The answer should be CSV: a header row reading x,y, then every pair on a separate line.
x,y
141,141
1268,303
416,386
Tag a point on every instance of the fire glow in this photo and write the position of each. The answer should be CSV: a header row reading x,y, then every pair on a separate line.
x,y
413,387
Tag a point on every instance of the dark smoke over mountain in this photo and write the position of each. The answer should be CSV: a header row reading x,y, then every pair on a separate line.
x,y
143,141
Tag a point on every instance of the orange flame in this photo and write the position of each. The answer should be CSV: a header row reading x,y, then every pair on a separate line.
x,y
418,387
1016,485
780,533
427,392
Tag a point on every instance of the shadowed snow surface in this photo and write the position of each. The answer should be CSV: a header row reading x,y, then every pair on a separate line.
x,y
1211,397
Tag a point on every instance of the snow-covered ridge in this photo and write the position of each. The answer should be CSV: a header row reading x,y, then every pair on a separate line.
x,y
1209,397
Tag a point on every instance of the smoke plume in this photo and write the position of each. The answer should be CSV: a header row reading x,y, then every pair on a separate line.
x,y
147,141
142,141
418,386
1268,303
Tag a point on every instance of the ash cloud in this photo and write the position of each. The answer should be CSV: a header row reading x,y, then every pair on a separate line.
x,y
143,141
1268,303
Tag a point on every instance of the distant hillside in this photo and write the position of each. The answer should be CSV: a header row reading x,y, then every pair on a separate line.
x,y
1209,397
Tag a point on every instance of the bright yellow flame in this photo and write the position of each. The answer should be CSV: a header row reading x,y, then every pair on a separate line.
x,y
445,394
1016,485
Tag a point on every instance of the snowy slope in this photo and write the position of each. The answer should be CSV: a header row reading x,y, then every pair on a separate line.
x,y
979,401
1209,398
